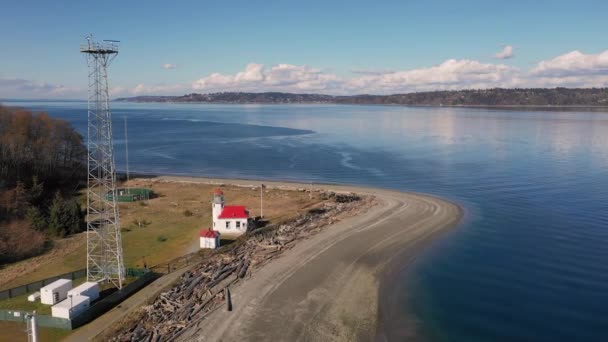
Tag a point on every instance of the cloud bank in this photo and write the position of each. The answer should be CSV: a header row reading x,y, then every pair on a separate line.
x,y
255,77
572,69
16,87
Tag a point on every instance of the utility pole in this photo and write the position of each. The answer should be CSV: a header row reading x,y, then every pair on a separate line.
x,y
262,200
127,149
32,328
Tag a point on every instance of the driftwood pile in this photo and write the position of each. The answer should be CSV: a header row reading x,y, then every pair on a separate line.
x,y
204,289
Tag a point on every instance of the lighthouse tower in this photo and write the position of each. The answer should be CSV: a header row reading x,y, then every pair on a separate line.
x,y
217,205
229,220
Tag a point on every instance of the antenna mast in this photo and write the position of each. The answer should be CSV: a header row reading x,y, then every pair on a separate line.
x,y
127,148
104,242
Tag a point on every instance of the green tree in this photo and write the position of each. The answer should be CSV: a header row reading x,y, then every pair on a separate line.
x,y
65,217
36,192
57,217
20,203
73,216
36,219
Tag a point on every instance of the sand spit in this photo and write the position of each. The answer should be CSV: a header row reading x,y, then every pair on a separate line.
x,y
327,288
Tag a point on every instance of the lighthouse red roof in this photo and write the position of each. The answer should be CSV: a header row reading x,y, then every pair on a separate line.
x,y
234,212
208,233
218,192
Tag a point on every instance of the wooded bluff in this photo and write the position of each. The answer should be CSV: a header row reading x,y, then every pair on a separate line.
x,y
482,97
42,168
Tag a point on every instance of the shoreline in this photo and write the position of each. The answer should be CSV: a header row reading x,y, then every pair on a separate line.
x,y
592,108
340,281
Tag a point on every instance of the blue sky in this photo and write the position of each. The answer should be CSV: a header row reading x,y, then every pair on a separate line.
x,y
304,46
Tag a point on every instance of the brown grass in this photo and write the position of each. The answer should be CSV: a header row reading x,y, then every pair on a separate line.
x,y
168,232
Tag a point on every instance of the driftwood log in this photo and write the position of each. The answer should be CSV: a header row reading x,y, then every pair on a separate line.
x,y
204,288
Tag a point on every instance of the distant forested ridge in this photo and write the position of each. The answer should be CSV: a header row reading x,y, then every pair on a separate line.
x,y
42,167
482,97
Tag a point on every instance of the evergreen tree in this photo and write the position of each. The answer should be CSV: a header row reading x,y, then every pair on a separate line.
x,y
65,217
20,204
36,192
74,217
36,219
57,216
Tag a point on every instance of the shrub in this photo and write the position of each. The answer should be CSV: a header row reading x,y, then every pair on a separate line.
x,y
141,222
19,241
188,213
161,238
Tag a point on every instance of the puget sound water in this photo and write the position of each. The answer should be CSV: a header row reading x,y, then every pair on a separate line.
x,y
530,260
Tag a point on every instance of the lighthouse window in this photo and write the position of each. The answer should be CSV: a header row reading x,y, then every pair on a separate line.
x,y
227,224
238,224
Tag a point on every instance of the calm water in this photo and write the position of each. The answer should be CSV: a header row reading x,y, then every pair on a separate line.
x,y
529,264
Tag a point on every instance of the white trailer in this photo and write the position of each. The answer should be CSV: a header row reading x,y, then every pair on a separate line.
x,y
71,307
89,289
55,292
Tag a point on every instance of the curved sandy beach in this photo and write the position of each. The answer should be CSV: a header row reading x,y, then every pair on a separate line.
x,y
328,287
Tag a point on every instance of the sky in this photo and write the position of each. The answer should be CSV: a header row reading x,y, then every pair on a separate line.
x,y
330,47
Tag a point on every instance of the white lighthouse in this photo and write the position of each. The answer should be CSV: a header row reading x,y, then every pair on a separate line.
x,y
217,204
230,221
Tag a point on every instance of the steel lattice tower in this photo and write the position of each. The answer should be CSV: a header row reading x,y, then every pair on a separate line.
x,y
104,243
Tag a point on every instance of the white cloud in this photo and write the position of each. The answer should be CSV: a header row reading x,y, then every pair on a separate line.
x,y
506,53
573,69
281,77
22,88
451,74
169,66
574,63
157,89
371,71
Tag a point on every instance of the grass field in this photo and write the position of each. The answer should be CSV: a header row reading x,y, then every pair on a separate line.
x,y
155,231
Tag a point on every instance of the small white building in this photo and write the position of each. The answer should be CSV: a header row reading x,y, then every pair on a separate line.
x,y
89,289
230,220
33,297
210,238
55,292
71,307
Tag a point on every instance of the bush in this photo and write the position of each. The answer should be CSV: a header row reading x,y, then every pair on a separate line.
x,y
19,241
162,238
65,217
188,213
141,222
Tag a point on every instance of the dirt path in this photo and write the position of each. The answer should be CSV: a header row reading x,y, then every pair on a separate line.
x,y
327,288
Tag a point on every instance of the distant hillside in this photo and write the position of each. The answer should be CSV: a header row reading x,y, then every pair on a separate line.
x,y
485,97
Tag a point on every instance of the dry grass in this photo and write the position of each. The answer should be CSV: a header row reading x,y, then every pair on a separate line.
x,y
167,233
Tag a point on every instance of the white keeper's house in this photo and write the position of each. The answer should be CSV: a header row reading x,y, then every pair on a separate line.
x,y
230,220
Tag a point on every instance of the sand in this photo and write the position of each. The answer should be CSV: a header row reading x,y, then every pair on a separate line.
x,y
335,286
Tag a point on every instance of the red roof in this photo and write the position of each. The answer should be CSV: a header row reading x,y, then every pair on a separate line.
x,y
234,212
208,233
218,192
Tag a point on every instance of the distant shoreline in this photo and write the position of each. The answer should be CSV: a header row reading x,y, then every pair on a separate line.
x,y
555,107
495,97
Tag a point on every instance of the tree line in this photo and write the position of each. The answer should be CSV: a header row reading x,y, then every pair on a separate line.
x,y
42,168
470,97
